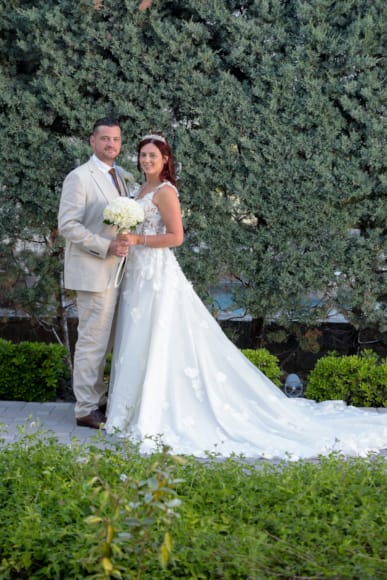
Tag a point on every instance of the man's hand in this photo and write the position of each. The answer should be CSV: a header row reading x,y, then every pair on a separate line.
x,y
118,247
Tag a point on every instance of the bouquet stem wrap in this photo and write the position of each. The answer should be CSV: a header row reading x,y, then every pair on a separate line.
x,y
120,272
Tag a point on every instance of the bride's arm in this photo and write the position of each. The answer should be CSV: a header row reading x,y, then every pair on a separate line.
x,y
169,207
168,203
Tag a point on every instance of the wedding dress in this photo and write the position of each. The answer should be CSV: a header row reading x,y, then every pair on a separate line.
x,y
177,378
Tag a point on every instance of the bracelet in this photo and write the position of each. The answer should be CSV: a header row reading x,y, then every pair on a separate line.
x,y
144,244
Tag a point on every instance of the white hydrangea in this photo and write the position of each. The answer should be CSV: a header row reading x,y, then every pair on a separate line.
x,y
123,212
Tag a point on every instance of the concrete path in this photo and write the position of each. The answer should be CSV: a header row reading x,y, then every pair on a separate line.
x,y
18,418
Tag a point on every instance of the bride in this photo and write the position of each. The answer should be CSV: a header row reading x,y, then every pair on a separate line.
x,y
177,379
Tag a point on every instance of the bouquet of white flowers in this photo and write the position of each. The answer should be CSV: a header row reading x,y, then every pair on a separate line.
x,y
124,213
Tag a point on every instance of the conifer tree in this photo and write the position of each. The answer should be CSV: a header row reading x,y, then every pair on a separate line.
x,y
274,110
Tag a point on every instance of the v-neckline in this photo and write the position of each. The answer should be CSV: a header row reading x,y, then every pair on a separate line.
x,y
151,191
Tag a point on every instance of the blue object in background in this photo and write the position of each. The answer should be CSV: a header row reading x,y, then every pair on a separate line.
x,y
293,386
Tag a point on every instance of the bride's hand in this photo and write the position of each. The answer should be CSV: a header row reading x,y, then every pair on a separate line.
x,y
131,239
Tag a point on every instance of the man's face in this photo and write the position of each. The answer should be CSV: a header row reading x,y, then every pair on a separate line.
x,y
106,143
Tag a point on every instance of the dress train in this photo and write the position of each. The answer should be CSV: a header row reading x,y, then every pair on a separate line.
x,y
178,379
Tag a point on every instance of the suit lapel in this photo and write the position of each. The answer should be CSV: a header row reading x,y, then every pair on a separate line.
x,y
103,182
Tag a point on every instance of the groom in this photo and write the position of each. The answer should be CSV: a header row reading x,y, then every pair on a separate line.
x,y
92,256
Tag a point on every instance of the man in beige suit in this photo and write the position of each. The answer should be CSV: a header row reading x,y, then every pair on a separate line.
x,y
92,256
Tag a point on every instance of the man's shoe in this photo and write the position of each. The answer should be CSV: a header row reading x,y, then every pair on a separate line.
x,y
102,408
93,420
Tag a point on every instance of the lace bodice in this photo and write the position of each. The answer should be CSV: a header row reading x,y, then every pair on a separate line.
x,y
153,223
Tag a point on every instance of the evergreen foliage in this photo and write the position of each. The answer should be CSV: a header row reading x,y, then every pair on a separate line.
x,y
274,110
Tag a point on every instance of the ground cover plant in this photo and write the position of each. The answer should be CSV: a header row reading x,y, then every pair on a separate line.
x,y
105,511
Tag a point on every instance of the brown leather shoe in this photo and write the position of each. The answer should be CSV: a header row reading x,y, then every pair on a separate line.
x,y
93,420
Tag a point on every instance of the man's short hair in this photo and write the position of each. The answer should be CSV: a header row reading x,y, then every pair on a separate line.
x,y
106,122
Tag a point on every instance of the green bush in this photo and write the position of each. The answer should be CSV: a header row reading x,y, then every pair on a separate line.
x,y
31,371
108,512
357,380
266,362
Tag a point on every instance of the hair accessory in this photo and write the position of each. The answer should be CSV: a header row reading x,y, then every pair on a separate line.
x,y
155,137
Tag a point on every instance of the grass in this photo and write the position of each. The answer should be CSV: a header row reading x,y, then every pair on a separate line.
x,y
90,511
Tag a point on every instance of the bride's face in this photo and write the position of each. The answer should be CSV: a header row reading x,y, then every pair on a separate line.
x,y
151,160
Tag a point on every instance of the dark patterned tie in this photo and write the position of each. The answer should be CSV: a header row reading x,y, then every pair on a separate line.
x,y
112,172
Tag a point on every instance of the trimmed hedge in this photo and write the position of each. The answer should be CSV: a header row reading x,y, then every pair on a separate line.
x,y
357,380
266,362
31,371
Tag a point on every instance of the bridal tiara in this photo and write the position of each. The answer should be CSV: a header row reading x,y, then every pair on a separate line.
x,y
154,137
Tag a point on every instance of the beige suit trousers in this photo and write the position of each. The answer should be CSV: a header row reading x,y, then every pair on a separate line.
x,y
96,316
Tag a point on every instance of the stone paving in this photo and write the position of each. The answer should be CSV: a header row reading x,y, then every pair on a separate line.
x,y
18,418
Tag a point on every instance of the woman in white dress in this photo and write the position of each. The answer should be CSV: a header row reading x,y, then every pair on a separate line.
x,y
176,378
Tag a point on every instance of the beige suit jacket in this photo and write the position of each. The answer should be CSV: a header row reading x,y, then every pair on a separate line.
x,y
85,194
